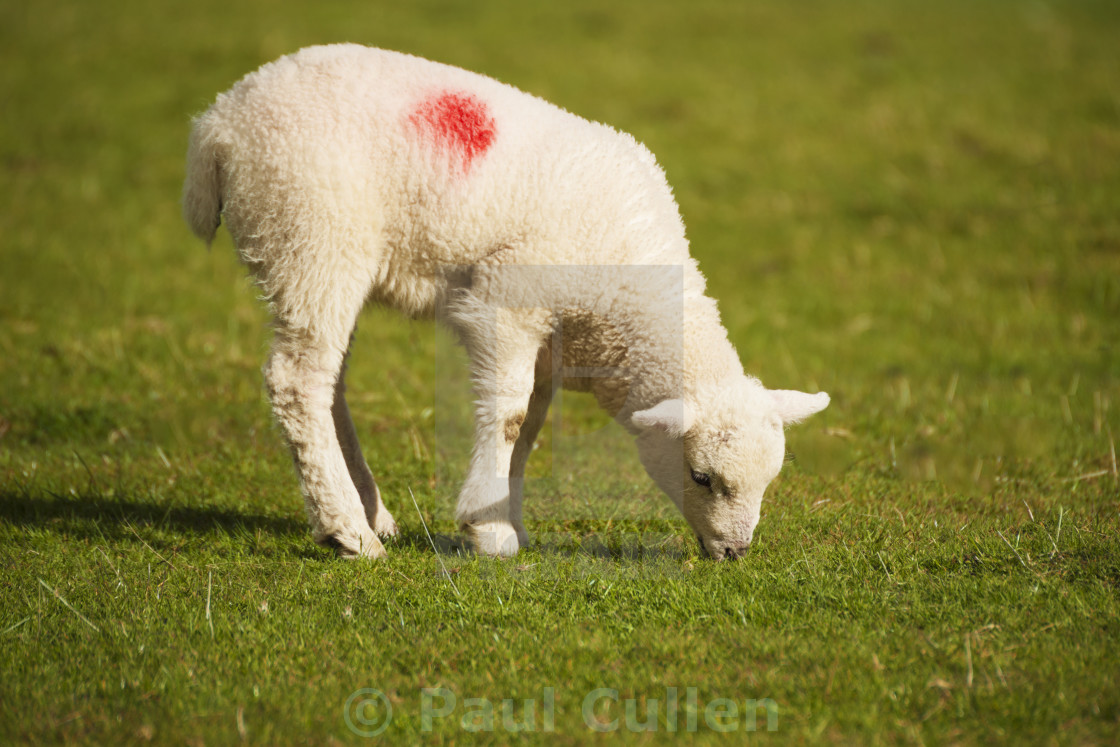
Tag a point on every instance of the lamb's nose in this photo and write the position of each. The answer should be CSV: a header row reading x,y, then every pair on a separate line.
x,y
734,553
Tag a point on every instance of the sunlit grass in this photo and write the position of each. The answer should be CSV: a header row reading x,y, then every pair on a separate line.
x,y
915,208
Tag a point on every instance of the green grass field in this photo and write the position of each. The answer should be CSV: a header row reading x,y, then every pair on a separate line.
x,y
915,207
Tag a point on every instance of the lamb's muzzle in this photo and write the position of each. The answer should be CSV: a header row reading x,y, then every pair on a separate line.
x,y
720,550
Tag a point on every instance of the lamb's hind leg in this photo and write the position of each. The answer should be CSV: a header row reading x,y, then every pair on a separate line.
x,y
301,373
377,515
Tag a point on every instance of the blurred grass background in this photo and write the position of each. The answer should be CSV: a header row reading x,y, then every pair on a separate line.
x,y
914,207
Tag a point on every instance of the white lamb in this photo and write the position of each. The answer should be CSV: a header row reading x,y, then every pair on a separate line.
x,y
550,244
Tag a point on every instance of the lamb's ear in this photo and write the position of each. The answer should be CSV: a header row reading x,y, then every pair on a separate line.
x,y
794,406
672,416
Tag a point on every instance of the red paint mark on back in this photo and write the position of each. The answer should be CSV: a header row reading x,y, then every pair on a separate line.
x,y
459,122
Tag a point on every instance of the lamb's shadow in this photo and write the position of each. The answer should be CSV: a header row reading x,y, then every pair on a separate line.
x,y
122,518
93,516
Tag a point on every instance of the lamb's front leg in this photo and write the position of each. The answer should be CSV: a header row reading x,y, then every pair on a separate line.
x,y
503,372
535,416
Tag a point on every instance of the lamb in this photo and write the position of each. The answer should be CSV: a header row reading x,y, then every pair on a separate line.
x,y
551,245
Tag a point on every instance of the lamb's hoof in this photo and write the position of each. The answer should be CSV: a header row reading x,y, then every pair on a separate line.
x,y
384,525
351,545
493,538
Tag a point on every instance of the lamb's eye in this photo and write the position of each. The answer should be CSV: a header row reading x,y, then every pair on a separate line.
x,y
702,478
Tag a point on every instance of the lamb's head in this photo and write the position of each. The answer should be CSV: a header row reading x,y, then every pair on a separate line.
x,y
715,453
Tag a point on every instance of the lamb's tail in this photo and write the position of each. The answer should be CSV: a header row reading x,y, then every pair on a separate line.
x,y
202,189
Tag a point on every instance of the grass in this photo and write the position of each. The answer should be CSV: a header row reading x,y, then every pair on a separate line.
x,y
913,207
